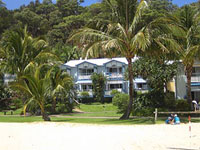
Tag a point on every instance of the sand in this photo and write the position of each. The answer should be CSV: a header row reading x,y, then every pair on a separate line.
x,y
69,136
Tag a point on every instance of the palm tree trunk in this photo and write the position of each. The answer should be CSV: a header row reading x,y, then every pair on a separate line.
x,y
54,105
45,116
189,75
130,105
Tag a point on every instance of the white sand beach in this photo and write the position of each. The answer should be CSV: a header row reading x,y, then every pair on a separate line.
x,y
63,136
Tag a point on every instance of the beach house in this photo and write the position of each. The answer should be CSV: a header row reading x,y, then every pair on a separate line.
x,y
112,68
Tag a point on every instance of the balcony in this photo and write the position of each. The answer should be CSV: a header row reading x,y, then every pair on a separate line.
x,y
114,75
108,92
195,77
84,76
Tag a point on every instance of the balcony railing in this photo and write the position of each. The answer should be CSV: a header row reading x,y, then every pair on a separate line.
x,y
108,92
84,76
195,79
114,75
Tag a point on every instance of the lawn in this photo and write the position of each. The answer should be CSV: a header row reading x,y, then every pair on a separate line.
x,y
90,111
97,110
134,121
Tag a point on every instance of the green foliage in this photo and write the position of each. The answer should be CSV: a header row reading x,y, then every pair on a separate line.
x,y
143,112
5,97
84,94
114,92
157,72
98,83
121,101
169,101
20,49
182,105
17,103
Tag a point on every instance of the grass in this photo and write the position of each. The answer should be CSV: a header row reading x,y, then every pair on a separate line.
x,y
101,121
16,112
91,110
97,110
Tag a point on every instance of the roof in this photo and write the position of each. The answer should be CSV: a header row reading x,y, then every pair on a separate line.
x,y
98,62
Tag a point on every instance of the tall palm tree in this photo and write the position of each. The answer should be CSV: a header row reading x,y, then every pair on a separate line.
x,y
36,86
20,48
129,36
189,21
61,84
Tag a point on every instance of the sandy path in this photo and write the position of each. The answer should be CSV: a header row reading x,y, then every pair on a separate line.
x,y
63,136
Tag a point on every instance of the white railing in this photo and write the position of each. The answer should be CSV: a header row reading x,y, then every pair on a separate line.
x,y
108,92
195,79
114,75
82,77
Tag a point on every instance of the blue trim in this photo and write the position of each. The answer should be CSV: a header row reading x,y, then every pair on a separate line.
x,y
117,79
86,62
195,84
115,61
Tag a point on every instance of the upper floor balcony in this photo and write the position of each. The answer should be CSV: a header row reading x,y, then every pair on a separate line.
x,y
114,75
85,73
195,77
84,76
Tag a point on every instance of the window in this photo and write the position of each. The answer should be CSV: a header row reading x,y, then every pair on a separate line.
x,y
114,70
115,86
196,71
86,87
142,86
86,71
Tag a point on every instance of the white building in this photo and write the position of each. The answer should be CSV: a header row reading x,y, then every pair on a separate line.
x,y
113,69
181,82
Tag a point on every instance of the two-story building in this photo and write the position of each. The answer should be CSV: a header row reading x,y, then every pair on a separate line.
x,y
113,69
181,82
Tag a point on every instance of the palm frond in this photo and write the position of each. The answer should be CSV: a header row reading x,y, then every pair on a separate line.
x,y
138,15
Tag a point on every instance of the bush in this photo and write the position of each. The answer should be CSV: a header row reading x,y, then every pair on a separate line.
x,y
143,112
114,92
182,105
84,94
121,101
60,108
17,103
169,100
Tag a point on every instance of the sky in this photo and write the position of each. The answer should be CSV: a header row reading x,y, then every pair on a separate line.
x,y
13,4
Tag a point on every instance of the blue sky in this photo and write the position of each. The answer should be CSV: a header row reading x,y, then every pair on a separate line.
x,y
13,4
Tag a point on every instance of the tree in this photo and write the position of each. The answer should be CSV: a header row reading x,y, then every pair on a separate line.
x,y
189,40
98,83
6,19
66,52
125,36
158,73
62,86
36,86
20,48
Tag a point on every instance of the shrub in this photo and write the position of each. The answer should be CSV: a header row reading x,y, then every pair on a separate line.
x,y
114,92
143,112
60,108
17,103
182,105
121,101
169,100
84,94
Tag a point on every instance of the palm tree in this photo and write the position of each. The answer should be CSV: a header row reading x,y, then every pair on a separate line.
x,y
129,36
20,49
189,21
61,84
36,86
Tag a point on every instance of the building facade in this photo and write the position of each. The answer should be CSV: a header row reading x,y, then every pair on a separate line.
x,y
181,82
113,69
